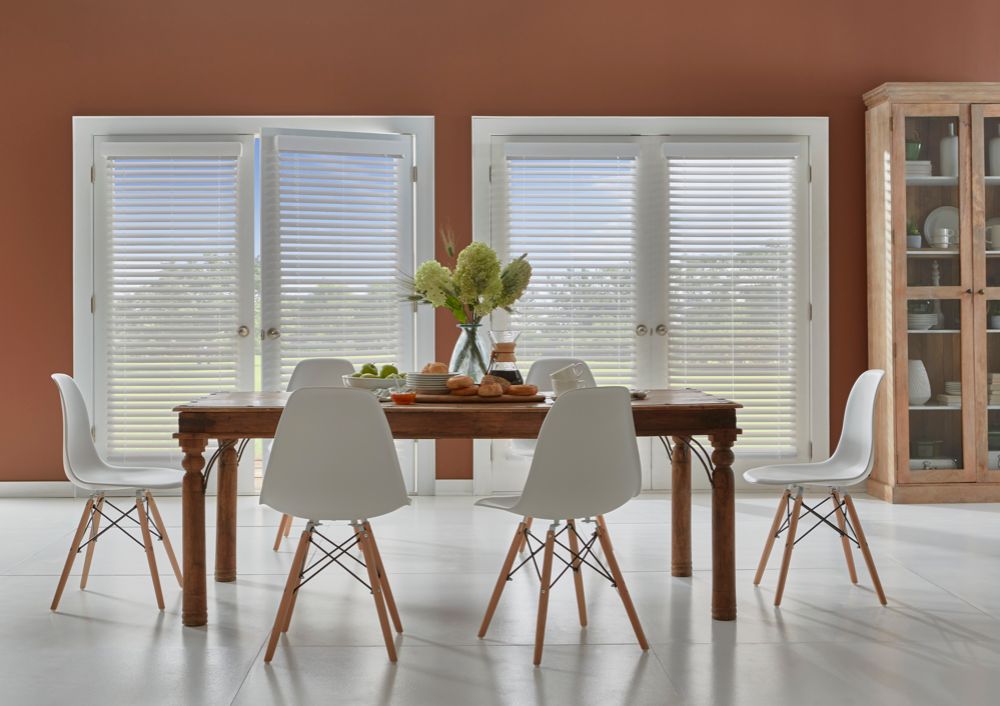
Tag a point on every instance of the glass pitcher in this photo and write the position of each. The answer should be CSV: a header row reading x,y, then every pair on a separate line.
x,y
503,361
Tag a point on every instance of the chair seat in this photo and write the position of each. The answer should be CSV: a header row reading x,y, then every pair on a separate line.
x,y
824,473
125,477
500,502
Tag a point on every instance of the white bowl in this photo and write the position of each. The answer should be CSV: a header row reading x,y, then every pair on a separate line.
x,y
370,383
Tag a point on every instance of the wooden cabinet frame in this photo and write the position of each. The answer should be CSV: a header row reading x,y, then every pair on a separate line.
x,y
889,106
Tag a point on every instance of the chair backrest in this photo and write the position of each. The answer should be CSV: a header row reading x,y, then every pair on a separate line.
x,y
333,458
79,453
587,461
540,372
857,437
320,372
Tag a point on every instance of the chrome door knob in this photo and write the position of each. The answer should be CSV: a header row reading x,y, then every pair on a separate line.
x,y
273,333
243,331
661,330
641,330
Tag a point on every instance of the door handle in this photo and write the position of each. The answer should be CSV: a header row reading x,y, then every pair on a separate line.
x,y
641,330
243,331
661,330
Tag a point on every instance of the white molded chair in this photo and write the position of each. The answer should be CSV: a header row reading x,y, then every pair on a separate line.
x,y
313,372
334,459
86,470
586,464
850,464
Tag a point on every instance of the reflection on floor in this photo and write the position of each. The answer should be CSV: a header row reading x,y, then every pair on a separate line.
x,y
937,642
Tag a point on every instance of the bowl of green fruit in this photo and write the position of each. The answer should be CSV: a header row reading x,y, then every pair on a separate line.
x,y
371,377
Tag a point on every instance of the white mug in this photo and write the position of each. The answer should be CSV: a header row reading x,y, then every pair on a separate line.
x,y
993,237
568,378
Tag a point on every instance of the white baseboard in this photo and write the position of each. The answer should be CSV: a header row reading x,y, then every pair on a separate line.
x,y
453,487
37,489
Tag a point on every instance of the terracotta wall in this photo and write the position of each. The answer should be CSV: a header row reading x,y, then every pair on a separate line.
x,y
447,58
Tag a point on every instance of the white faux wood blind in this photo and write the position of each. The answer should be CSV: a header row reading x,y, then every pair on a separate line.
x,y
337,231
737,284
573,208
173,225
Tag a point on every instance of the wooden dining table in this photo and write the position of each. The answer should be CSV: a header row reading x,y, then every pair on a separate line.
x,y
676,415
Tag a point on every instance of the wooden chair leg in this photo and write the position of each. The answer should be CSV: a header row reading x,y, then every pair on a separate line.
x,y
283,527
574,545
288,524
95,525
74,547
865,551
524,537
616,574
291,584
842,523
604,528
371,562
543,594
167,546
383,578
147,541
782,506
786,559
508,562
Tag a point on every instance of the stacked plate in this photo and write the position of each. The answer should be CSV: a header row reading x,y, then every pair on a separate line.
x,y
921,322
429,383
953,388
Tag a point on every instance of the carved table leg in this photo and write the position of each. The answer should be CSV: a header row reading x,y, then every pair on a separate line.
x,y
225,525
723,528
680,497
195,610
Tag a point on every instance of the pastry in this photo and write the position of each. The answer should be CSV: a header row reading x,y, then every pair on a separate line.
x,y
466,391
460,381
490,389
493,379
523,390
435,368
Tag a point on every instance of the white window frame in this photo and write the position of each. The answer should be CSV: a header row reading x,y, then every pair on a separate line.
x,y
816,132
86,128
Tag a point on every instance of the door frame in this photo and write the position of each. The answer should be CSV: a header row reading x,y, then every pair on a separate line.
x,y
87,128
814,129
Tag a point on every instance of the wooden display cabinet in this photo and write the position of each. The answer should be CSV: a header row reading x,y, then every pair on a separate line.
x,y
933,285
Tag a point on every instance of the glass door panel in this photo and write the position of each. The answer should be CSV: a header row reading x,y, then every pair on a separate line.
x,y
935,398
931,176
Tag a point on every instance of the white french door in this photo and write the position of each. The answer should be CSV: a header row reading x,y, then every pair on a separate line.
x,y
663,262
174,272
173,285
337,232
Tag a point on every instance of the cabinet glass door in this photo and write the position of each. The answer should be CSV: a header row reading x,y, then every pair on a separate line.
x,y
933,246
986,229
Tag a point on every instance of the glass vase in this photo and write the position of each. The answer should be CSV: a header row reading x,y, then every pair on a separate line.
x,y
470,356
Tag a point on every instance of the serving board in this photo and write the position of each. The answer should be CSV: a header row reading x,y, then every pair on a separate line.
x,y
449,399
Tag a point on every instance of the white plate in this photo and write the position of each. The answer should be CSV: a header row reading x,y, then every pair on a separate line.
x,y
941,217
370,383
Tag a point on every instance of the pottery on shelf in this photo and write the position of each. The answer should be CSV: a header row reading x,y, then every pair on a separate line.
x,y
919,382
949,152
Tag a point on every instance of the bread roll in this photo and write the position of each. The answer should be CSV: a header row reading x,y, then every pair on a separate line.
x,y
435,367
460,381
523,390
490,389
466,391
495,380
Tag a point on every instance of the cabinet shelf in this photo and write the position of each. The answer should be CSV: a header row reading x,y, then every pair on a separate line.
x,y
931,181
935,330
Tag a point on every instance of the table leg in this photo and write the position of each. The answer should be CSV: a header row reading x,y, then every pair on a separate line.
x,y
723,528
680,497
195,610
225,523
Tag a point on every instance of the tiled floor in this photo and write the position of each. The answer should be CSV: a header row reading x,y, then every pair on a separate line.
x,y
937,642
